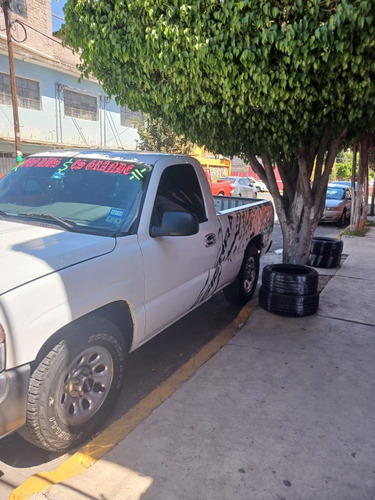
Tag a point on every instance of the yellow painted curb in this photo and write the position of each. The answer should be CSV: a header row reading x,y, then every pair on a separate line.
x,y
112,435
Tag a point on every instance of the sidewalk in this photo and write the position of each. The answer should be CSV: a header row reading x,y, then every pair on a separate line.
x,y
285,410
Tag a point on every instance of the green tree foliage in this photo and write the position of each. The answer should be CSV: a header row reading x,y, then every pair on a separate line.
x,y
156,136
344,171
344,165
287,81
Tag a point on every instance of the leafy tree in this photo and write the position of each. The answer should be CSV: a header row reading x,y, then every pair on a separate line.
x,y
341,157
344,170
289,81
343,167
156,136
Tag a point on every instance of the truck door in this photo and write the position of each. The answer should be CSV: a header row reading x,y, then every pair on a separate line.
x,y
178,268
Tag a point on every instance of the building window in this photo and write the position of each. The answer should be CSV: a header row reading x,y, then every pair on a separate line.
x,y
79,105
28,92
128,116
18,7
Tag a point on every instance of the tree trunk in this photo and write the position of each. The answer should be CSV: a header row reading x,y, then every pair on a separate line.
x,y
353,217
300,206
359,195
297,241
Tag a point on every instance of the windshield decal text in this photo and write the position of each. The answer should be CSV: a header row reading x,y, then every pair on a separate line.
x,y
105,166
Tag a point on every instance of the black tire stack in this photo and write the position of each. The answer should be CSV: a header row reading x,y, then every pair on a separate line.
x,y
325,252
289,290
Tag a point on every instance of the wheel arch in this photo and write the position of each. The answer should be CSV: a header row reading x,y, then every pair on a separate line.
x,y
256,242
117,312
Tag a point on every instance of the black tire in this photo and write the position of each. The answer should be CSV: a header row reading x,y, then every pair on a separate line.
x,y
326,261
74,387
342,219
243,287
326,246
290,279
288,305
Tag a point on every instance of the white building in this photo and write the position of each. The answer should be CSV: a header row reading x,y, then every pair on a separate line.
x,y
55,109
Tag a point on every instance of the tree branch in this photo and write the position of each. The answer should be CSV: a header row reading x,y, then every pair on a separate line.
x,y
320,157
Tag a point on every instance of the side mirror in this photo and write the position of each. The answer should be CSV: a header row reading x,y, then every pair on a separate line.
x,y
176,224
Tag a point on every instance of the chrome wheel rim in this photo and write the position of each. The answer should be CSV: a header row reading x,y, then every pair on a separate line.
x,y
249,274
85,385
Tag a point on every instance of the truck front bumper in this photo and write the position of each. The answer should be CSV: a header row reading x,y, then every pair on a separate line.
x,y
14,386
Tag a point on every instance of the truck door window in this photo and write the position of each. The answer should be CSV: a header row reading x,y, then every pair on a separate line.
x,y
179,190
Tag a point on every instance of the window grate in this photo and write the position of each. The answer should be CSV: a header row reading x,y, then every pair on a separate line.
x,y
128,116
28,92
79,105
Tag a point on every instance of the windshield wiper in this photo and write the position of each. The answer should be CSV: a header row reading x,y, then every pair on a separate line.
x,y
60,221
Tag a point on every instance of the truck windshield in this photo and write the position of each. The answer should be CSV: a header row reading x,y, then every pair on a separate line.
x,y
79,194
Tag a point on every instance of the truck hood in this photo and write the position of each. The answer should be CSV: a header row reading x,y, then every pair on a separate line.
x,y
28,252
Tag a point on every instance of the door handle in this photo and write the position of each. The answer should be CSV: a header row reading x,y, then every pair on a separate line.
x,y
210,239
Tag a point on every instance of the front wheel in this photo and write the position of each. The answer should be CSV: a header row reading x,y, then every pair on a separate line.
x,y
243,287
74,387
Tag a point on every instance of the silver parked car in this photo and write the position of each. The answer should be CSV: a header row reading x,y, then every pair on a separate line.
x,y
338,204
242,187
344,184
259,185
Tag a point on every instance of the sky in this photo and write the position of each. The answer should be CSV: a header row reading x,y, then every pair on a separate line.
x,y
57,12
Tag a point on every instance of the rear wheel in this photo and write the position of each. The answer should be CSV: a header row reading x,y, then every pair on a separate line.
x,y
74,387
243,287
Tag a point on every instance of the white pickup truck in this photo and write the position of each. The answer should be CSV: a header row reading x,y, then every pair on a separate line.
x,y
100,251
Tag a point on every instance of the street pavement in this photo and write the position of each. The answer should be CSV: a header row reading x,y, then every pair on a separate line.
x,y
284,410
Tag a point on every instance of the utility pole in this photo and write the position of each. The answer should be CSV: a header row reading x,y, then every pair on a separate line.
x,y
13,88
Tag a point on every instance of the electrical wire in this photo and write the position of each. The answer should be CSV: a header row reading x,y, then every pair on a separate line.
x,y
40,33
12,25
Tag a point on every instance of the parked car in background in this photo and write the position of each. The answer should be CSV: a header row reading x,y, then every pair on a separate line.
x,y
344,184
220,187
241,187
338,204
259,185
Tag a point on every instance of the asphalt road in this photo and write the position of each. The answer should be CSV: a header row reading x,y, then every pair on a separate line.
x,y
147,367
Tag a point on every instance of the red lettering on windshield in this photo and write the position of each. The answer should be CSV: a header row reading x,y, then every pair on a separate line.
x,y
105,166
78,164
41,162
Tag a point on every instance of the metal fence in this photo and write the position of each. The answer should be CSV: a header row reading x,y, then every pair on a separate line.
x,y
6,163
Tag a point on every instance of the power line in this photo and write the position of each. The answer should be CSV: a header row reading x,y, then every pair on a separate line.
x,y
40,33
57,17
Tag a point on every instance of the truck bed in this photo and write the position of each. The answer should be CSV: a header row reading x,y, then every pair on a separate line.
x,y
226,204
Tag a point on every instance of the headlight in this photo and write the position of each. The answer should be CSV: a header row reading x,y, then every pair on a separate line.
x,y
2,348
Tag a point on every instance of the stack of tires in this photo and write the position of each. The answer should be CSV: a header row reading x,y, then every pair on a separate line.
x,y
325,252
289,290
